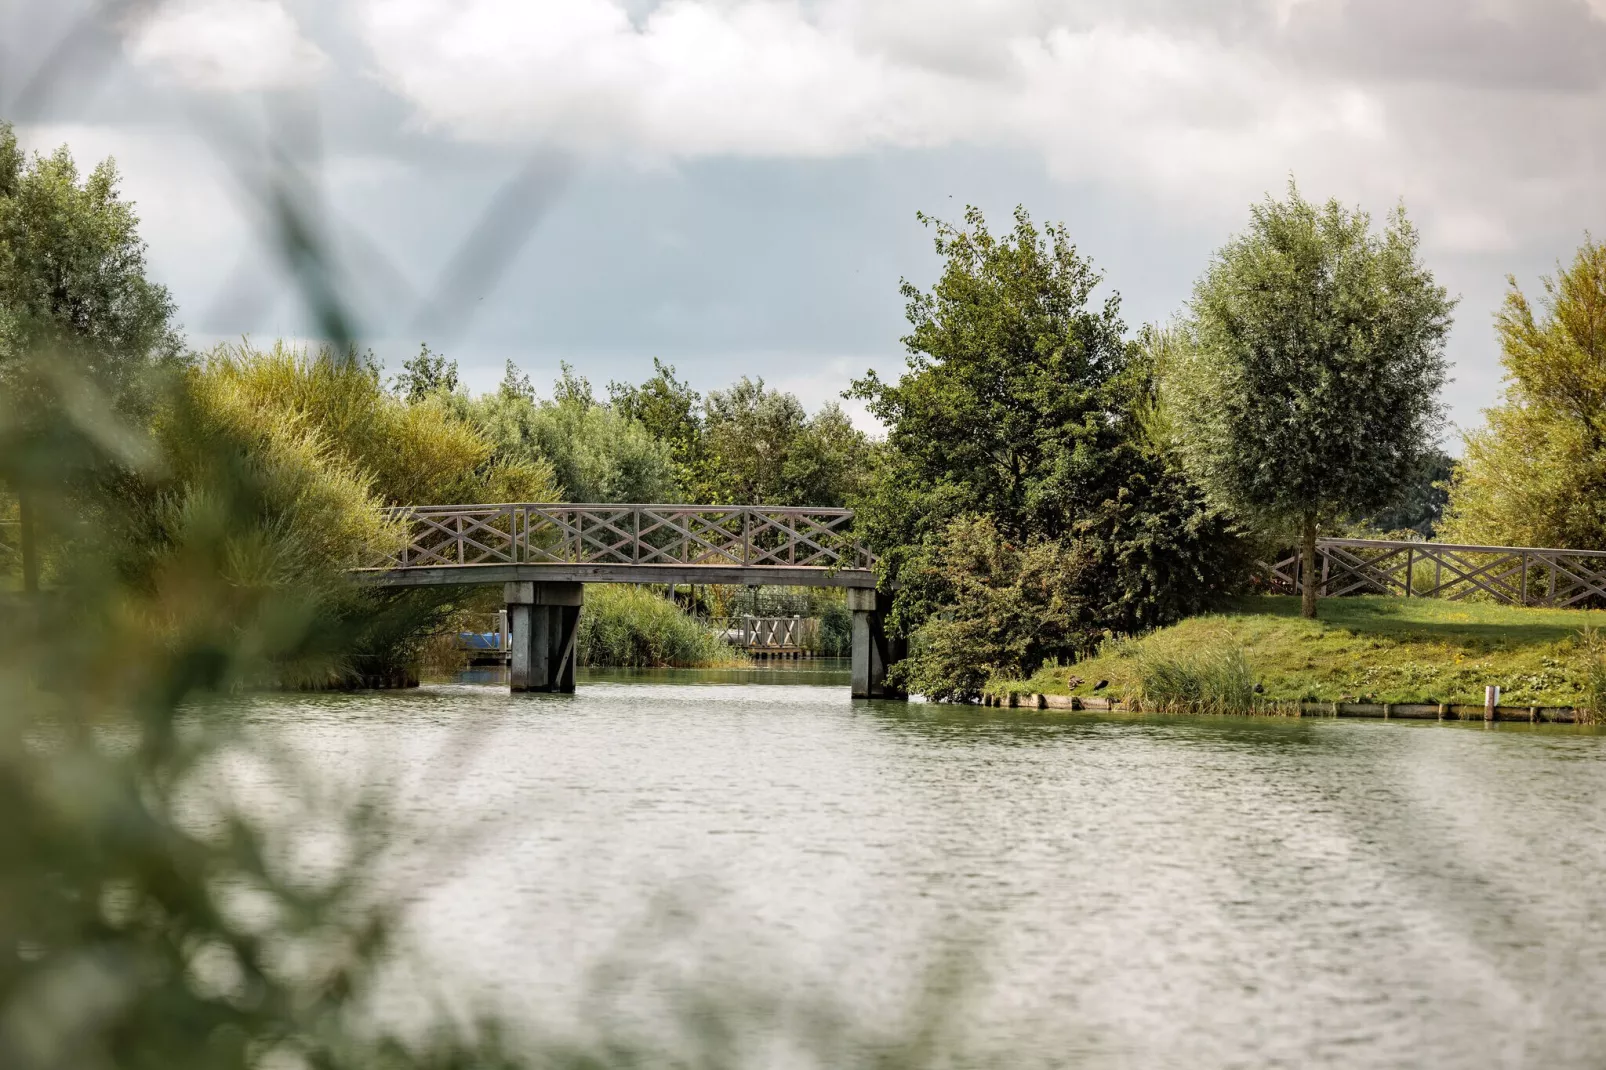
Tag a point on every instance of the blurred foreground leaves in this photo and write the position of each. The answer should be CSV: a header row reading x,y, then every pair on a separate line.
x,y
147,918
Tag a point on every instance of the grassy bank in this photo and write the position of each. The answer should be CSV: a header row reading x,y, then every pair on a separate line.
x,y
1392,650
625,625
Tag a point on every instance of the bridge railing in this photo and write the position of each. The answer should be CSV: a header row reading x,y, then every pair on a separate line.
x,y
768,633
445,535
1513,575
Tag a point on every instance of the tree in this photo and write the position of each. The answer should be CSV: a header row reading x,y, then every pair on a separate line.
x,y
1004,405
598,454
1536,474
762,448
73,294
1024,406
426,375
671,411
1305,388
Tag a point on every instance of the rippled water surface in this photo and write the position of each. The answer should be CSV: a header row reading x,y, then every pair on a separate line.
x,y
1122,892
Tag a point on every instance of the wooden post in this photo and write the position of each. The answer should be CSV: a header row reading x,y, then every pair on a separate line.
x,y
867,682
1410,569
1524,579
519,656
1491,699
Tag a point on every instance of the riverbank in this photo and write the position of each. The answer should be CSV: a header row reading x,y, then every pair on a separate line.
x,y
1364,652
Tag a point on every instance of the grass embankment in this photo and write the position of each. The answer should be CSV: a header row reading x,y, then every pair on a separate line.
x,y
628,626
1393,650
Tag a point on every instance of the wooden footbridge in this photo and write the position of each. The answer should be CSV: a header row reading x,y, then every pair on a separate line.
x,y
544,554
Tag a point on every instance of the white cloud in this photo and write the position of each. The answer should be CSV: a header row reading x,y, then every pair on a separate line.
x,y
1147,96
227,46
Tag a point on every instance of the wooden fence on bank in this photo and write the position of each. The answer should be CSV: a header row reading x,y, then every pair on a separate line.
x,y
1511,575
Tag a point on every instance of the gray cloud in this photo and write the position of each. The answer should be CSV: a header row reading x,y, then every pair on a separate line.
x,y
756,221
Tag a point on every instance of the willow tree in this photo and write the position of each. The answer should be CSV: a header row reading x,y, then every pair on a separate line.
x,y
1535,475
1305,385
74,297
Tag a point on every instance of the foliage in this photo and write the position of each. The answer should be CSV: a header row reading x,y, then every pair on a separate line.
x,y
748,444
1536,474
414,453
1305,387
626,625
1023,404
992,609
1004,410
151,921
426,375
72,275
596,453
763,449
1366,649
671,411
1421,508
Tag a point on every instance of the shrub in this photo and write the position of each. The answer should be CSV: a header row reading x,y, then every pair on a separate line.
x,y
991,608
630,626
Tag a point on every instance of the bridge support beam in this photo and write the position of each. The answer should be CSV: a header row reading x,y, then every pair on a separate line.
x,y
872,652
543,619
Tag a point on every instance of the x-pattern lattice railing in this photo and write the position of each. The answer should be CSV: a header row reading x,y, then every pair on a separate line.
x,y
768,633
444,535
1513,575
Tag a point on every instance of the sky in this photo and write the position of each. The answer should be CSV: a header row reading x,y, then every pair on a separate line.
x,y
732,185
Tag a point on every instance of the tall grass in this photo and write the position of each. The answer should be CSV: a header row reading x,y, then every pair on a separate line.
x,y
630,626
1590,659
1219,680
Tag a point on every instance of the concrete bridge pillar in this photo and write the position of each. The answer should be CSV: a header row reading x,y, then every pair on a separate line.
x,y
542,621
873,653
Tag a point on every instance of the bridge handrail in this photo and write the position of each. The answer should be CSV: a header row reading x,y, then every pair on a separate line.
x,y
628,533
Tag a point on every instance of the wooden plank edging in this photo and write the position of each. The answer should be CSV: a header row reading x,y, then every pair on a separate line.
x,y
1419,711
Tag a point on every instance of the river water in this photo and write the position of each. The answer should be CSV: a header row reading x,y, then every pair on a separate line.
x,y
1052,889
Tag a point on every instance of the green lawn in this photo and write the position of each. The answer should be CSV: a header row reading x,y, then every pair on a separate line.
x,y
1362,650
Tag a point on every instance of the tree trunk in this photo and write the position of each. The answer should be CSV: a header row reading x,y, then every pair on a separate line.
x,y
30,548
1307,608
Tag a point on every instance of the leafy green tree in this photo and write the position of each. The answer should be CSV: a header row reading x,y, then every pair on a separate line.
x,y
74,297
72,273
426,375
671,411
1305,388
763,449
1024,405
596,453
1004,406
1536,474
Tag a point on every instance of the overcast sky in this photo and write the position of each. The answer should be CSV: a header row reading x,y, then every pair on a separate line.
x,y
732,184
